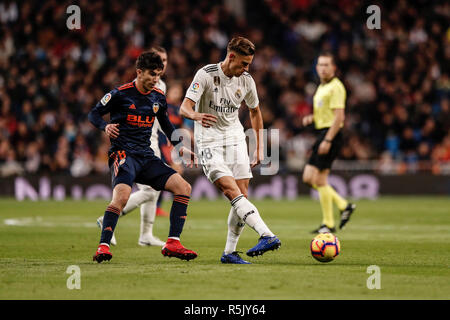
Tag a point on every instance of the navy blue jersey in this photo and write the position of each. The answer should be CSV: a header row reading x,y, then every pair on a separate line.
x,y
135,113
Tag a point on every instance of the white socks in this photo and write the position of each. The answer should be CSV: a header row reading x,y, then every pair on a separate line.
x,y
250,215
139,197
146,198
235,227
148,214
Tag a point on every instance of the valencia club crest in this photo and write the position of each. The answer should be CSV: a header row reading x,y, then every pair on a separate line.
x,y
155,107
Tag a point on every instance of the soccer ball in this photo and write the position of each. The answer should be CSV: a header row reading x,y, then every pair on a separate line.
x,y
325,247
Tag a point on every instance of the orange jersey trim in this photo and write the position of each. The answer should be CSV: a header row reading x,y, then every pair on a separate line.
x,y
158,90
125,86
144,93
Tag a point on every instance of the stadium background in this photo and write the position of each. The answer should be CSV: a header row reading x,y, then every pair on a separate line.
x,y
397,79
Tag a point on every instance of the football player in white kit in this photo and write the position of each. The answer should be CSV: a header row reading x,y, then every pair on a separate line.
x,y
146,197
217,92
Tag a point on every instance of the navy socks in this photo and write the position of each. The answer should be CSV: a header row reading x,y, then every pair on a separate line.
x,y
178,215
109,224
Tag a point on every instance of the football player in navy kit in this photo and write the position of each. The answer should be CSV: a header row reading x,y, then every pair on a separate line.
x,y
133,108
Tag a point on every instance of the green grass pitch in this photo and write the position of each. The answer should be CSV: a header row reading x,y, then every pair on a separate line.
x,y
406,237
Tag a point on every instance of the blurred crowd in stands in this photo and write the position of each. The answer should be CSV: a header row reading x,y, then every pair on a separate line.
x,y
397,77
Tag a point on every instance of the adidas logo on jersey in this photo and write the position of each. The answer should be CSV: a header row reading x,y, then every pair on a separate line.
x,y
132,106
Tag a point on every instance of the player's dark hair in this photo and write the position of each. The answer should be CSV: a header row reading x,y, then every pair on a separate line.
x,y
242,46
329,55
149,61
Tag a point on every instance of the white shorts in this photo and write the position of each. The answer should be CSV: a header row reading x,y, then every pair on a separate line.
x,y
232,160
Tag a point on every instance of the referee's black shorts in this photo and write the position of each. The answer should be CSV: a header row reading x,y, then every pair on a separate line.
x,y
324,161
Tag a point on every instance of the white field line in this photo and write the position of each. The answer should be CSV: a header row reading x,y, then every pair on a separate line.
x,y
39,222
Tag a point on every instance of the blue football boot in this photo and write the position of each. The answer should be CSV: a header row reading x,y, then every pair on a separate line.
x,y
234,258
264,244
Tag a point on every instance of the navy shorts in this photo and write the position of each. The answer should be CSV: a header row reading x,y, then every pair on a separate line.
x,y
148,170
324,161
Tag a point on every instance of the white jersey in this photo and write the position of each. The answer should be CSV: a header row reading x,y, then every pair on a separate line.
x,y
215,93
156,127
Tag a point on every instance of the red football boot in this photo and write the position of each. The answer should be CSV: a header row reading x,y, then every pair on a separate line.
x,y
173,248
160,212
102,254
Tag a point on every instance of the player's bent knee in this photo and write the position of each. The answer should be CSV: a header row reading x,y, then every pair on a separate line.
x,y
320,183
188,189
177,185
184,189
244,192
231,193
121,194
119,203
321,179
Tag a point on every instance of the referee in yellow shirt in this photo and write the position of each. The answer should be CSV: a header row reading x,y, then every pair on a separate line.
x,y
328,118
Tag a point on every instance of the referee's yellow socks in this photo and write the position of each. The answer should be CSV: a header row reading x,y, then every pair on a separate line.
x,y
326,203
340,202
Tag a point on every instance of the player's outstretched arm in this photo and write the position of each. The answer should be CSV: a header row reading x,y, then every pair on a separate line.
x,y
168,129
257,125
192,156
187,111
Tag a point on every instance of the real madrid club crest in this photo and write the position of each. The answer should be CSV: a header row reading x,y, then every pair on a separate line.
x,y
216,81
155,107
238,94
121,162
